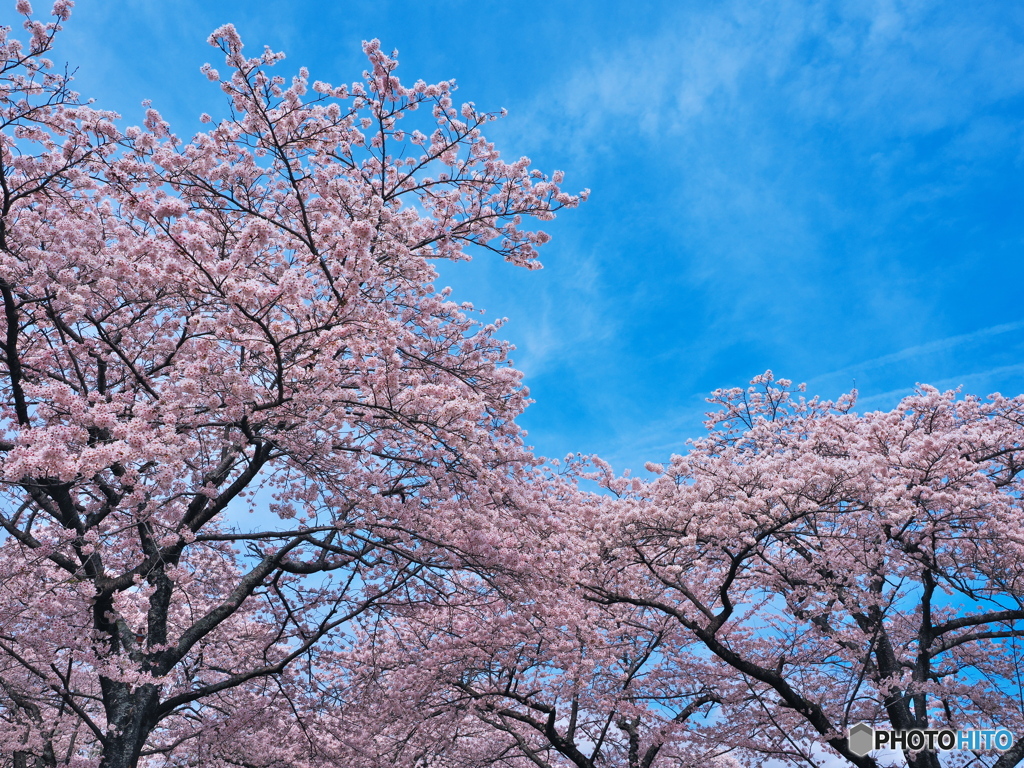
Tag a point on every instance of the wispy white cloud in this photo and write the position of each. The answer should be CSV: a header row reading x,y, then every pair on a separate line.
x,y
897,68
927,349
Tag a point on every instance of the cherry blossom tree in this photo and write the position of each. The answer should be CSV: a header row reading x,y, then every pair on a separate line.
x,y
194,330
541,678
846,567
261,477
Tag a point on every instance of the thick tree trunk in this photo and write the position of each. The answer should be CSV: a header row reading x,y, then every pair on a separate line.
x,y
131,714
1013,756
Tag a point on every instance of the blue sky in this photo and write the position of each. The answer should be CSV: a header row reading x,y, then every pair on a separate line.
x,y
832,190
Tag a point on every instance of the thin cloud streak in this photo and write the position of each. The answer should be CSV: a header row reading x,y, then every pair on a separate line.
x,y
920,350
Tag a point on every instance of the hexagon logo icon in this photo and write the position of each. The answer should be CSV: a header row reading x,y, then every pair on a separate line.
x,y
861,738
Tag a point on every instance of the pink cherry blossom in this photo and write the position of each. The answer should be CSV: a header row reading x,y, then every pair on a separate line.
x,y
844,567
247,320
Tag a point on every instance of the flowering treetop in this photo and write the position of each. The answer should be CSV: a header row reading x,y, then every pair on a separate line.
x,y
190,325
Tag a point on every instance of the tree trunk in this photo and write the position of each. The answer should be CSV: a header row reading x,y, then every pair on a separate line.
x,y
131,715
